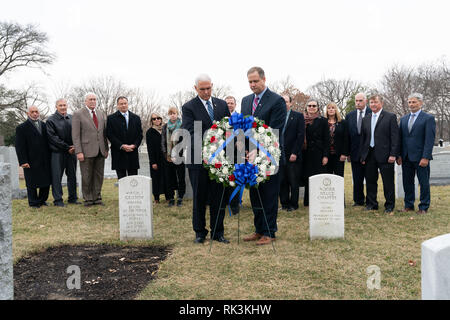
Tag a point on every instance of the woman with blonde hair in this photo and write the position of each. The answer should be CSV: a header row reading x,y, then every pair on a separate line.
x,y
339,140
155,155
174,173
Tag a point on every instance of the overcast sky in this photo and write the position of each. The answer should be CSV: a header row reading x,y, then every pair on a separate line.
x,y
163,45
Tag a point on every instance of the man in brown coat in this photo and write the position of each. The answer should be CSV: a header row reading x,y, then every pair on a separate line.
x,y
91,148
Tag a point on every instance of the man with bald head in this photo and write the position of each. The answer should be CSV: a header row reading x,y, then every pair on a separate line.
x,y
354,120
34,157
63,159
91,148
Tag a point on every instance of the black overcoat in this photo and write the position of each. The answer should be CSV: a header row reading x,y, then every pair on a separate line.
x,y
118,134
32,148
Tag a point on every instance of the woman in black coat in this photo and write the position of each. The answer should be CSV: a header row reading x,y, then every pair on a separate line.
x,y
316,146
155,155
339,150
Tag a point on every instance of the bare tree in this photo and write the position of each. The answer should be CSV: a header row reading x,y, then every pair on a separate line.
x,y
286,86
22,47
340,92
397,84
430,79
108,89
19,100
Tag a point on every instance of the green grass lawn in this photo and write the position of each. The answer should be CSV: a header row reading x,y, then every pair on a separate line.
x,y
300,269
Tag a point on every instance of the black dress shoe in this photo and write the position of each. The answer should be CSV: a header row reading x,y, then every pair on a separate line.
x,y
74,202
389,210
60,204
171,203
221,239
199,240
179,202
45,204
358,205
370,208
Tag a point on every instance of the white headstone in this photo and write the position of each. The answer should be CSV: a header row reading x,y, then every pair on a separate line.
x,y
436,268
326,206
399,190
10,156
6,257
440,169
135,208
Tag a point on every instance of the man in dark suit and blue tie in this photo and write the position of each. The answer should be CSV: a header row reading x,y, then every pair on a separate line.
x,y
417,134
379,150
198,116
354,120
293,135
270,107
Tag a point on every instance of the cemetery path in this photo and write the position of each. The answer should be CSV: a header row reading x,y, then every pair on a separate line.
x,y
93,272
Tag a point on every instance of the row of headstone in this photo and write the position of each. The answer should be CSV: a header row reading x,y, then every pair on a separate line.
x,y
6,257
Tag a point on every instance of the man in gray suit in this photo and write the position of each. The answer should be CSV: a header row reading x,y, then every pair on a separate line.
x,y
91,148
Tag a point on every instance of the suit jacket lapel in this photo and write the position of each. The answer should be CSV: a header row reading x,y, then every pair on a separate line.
x,y
203,113
380,117
419,118
34,127
87,115
262,102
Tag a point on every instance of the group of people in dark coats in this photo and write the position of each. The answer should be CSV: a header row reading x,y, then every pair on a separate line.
x,y
312,145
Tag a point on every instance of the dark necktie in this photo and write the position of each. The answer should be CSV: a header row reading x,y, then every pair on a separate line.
x,y
359,121
94,117
210,110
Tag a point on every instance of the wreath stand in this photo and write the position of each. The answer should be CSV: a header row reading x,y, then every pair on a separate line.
x,y
217,219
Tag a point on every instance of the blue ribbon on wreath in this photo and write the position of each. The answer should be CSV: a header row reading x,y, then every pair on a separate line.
x,y
245,174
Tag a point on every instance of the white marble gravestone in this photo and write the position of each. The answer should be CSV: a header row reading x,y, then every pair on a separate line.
x,y
440,169
436,268
135,208
10,156
399,190
326,207
6,257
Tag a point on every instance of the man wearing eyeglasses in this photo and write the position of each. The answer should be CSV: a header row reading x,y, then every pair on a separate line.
x,y
354,120
198,116
124,131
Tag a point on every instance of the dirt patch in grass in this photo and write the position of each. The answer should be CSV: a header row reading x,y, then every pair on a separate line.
x,y
106,272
